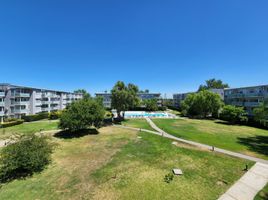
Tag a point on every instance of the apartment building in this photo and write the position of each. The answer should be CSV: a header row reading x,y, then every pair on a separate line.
x,y
247,97
17,101
107,101
179,97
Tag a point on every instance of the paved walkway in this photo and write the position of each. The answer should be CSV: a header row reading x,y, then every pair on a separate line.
x,y
249,185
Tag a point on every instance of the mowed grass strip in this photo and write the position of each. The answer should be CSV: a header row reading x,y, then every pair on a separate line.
x,y
69,175
138,170
243,139
137,123
29,128
263,194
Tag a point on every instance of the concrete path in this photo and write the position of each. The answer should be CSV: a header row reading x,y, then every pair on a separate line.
x,y
249,185
239,155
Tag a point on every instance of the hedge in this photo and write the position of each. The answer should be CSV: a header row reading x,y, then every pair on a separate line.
x,y
11,123
39,116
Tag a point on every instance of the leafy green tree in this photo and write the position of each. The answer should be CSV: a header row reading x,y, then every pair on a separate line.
x,y
213,84
81,115
84,92
202,104
124,97
151,104
233,114
28,154
261,113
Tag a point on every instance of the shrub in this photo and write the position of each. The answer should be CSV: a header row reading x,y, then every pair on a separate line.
x,y
168,177
233,114
81,115
36,117
11,123
54,115
25,156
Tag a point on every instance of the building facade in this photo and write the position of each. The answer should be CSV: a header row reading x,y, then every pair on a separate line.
x,y
247,97
179,97
17,101
107,101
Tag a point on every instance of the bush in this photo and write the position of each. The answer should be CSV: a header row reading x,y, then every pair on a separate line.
x,y
81,115
27,155
11,123
168,177
39,116
54,115
233,114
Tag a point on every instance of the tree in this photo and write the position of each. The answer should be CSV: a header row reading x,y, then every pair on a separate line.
x,y
124,97
233,114
202,104
261,113
213,84
81,115
84,92
24,156
151,104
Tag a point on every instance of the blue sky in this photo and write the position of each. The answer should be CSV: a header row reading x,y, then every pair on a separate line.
x,y
165,46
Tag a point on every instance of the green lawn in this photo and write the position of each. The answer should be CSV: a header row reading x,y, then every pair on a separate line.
x,y
28,128
247,140
137,123
263,194
116,164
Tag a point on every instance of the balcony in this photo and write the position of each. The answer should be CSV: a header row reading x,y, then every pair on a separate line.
x,y
254,94
45,109
2,104
15,103
46,102
2,94
251,104
236,95
20,111
20,94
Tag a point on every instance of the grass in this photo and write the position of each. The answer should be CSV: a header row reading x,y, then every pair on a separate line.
x,y
28,128
137,123
263,194
138,171
247,140
116,164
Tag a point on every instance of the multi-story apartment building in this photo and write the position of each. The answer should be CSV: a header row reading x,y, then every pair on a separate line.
x,y
247,97
17,101
107,97
178,98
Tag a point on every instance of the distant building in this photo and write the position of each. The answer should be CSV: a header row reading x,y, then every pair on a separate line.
x,y
107,101
17,101
179,97
247,97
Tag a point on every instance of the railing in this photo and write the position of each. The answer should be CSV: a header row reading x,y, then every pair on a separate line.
x,y
2,104
2,94
21,111
2,113
45,109
252,104
20,94
20,103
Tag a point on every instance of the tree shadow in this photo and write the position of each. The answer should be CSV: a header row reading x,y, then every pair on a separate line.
x,y
257,144
77,134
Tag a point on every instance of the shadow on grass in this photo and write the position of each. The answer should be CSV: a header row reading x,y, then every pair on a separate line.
x,y
77,134
257,144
